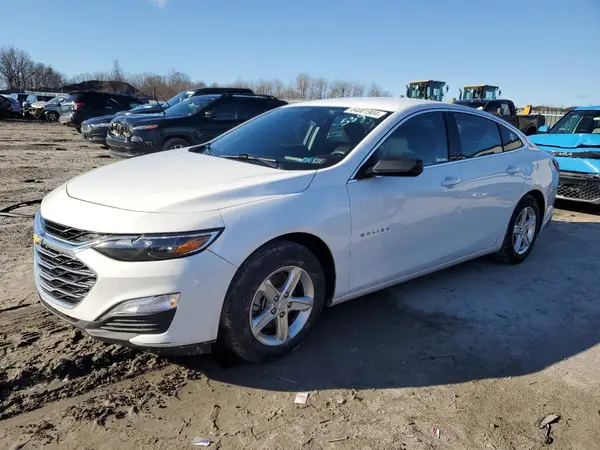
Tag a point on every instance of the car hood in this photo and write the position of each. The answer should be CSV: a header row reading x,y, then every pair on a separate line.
x,y
149,110
142,119
39,104
99,119
180,181
578,142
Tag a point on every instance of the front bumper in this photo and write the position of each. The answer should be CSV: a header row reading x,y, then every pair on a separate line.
x,y
579,186
97,135
122,148
66,119
201,280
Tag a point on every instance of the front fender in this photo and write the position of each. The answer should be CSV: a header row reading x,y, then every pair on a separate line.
x,y
324,213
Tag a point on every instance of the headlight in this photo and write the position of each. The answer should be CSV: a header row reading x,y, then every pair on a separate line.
x,y
145,127
154,247
101,124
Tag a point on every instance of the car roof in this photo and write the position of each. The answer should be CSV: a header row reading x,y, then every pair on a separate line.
x,y
587,108
382,103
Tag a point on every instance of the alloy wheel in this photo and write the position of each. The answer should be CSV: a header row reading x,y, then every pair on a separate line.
x,y
524,230
282,305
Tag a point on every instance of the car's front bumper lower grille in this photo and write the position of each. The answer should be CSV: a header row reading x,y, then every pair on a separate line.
x,y
62,277
580,187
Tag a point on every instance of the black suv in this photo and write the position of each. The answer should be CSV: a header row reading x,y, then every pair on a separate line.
x,y
80,106
193,121
184,95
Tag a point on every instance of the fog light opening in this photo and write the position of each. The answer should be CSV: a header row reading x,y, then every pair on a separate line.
x,y
145,305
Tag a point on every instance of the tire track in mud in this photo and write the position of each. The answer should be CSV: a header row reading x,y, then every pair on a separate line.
x,y
45,360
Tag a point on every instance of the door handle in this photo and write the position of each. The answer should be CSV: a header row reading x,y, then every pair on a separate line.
x,y
512,170
450,182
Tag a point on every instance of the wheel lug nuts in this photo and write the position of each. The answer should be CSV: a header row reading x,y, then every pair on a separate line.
x,y
286,295
289,304
276,298
273,311
281,314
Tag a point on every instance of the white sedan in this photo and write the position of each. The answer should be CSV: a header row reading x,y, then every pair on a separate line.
x,y
245,239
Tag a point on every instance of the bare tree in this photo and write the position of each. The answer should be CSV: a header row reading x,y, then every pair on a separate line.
x,y
15,68
357,90
117,73
318,88
302,85
278,87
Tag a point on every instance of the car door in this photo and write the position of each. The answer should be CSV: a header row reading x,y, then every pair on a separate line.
x,y
218,118
403,225
492,179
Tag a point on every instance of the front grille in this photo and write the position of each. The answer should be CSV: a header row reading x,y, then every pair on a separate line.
x,y
62,277
580,190
143,324
70,235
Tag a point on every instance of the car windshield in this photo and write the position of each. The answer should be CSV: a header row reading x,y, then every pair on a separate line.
x,y
190,106
578,121
180,97
56,100
300,137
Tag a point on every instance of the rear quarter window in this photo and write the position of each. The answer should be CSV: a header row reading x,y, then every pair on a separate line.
x,y
510,139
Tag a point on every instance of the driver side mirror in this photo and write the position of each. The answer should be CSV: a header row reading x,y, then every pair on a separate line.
x,y
543,129
399,166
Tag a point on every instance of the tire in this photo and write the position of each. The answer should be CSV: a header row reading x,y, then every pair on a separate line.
x,y
52,116
508,253
243,302
171,144
530,131
78,129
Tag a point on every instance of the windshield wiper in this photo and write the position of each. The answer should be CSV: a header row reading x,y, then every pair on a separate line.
x,y
269,162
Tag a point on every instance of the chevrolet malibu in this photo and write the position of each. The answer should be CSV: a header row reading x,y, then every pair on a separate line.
x,y
243,240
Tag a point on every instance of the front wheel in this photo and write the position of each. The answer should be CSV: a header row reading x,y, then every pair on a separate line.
x,y
273,302
522,232
52,116
174,143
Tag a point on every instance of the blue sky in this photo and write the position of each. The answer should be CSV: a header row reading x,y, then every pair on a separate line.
x,y
537,51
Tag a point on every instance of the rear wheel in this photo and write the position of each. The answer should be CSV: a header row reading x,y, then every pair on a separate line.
x,y
522,232
174,143
52,116
273,302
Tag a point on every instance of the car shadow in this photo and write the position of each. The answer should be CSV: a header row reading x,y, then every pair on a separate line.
x,y
579,207
474,321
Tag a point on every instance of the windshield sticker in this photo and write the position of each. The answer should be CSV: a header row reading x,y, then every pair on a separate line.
x,y
367,112
314,160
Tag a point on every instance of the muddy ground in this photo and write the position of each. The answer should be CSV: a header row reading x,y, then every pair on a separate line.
x,y
480,351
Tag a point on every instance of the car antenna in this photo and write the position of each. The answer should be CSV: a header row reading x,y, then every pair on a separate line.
x,y
158,103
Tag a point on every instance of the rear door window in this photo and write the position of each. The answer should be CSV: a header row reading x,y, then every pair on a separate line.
x,y
249,108
225,110
510,139
477,136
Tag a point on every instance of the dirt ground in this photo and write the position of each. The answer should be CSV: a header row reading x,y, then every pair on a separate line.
x,y
481,351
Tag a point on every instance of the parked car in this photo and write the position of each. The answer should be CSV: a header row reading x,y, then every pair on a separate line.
x,y
95,129
527,123
49,110
6,108
35,99
80,106
245,239
192,121
16,110
152,107
575,143
184,95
